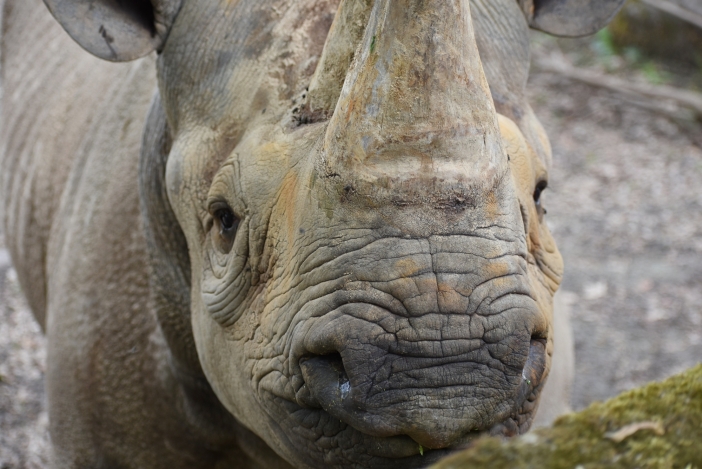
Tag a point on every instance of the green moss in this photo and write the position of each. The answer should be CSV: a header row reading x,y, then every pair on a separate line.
x,y
585,439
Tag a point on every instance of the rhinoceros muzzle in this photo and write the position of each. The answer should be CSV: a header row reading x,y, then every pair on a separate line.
x,y
434,358
442,403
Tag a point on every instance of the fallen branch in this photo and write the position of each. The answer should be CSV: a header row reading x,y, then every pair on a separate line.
x,y
634,428
683,98
676,10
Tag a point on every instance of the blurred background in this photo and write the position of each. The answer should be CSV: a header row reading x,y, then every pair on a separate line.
x,y
623,110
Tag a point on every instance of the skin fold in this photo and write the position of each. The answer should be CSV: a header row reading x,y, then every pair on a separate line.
x,y
303,234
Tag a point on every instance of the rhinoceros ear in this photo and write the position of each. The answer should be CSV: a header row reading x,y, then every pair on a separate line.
x,y
570,18
116,30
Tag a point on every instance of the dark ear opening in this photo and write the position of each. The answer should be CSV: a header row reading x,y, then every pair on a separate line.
x,y
570,18
116,30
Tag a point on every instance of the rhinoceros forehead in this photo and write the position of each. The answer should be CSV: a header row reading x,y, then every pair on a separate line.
x,y
226,61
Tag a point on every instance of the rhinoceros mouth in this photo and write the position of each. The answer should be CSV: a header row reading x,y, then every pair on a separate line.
x,y
320,440
325,400
402,451
327,373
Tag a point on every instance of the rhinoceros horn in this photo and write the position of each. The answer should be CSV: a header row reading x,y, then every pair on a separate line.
x,y
416,99
116,30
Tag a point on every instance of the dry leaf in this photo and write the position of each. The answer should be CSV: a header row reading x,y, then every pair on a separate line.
x,y
626,432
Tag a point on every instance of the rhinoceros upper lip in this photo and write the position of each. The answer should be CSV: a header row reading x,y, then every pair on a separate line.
x,y
324,368
404,452
403,448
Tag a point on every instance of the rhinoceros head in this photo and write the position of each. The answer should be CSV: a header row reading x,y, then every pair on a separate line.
x,y
359,186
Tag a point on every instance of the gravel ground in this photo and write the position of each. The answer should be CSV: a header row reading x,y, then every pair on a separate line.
x,y
24,439
625,205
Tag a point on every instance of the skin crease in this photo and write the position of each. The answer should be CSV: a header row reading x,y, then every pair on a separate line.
x,y
375,294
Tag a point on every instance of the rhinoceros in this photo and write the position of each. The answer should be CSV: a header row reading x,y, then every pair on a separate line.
x,y
293,233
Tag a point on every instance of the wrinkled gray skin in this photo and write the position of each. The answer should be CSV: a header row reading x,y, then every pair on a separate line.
x,y
237,272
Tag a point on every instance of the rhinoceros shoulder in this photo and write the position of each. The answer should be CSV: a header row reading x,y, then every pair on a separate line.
x,y
55,97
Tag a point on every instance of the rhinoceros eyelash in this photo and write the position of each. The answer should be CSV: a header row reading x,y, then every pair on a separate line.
x,y
214,204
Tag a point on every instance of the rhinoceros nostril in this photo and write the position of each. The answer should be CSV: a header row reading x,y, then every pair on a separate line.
x,y
533,372
345,387
325,378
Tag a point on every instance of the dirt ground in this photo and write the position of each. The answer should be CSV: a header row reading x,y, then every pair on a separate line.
x,y
625,205
23,418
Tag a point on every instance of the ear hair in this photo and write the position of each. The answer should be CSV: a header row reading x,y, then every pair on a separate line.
x,y
570,18
116,30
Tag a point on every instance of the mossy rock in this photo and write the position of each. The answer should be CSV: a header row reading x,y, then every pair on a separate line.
x,y
656,426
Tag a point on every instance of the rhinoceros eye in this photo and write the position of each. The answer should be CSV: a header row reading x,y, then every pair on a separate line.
x,y
540,187
226,222
227,219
